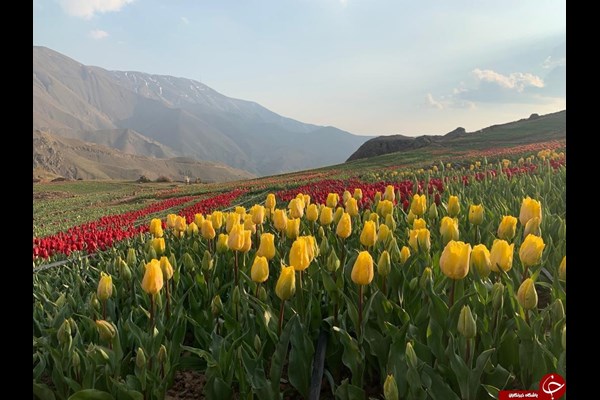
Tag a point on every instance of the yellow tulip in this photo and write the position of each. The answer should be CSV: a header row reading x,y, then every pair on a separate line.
x,y
345,196
249,224
258,214
306,198
507,228
292,229
480,260
419,223
455,259
374,217
530,252
384,207
260,269
105,287
267,246
476,214
390,222
352,207
270,202
389,193
280,220
418,205
199,219
207,230
384,233
159,245
240,210
344,226
312,212
231,219
358,194
530,208
404,254
311,247
217,219
222,241
156,227
296,207
384,264
453,206
368,236
333,199
180,224
286,284
501,255
527,295
326,216
299,258
362,271
247,241
171,220
106,330
236,237
166,268
337,215
419,239
192,229
532,227
153,277
449,229
562,269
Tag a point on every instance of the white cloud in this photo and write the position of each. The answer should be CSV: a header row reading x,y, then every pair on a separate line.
x,y
551,63
185,20
98,34
433,103
344,2
87,8
450,101
516,80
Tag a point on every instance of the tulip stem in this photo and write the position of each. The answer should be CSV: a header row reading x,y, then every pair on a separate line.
x,y
151,313
468,351
524,274
168,300
236,268
104,310
360,307
452,292
281,316
257,287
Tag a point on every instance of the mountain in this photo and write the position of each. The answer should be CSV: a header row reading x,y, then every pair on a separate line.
x,y
165,116
528,130
71,158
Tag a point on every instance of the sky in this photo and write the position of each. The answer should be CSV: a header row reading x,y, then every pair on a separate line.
x,y
370,67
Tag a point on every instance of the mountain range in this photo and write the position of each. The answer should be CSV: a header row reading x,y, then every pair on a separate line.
x,y
159,116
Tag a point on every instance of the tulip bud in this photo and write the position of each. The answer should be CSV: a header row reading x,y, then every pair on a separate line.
x,y
390,222
532,227
222,246
507,228
162,354
384,234
131,257
140,359
247,241
258,214
156,228
124,270
326,217
267,246
166,268
94,302
480,260
333,262
216,306
199,220
497,295
217,219
312,212
413,283
389,193
373,217
207,261
292,230
453,206
384,264
105,287
390,389
158,245
557,311
384,208
344,226
188,262
530,208
404,254
262,294
64,333
337,215
106,330
433,212
476,214
286,284
563,340
394,250
153,278
76,360
324,246
411,356
333,200
207,230
562,269
257,344
235,297
501,255
352,207
235,241
466,323
368,236
270,202
321,232
449,229
418,205
426,278
527,295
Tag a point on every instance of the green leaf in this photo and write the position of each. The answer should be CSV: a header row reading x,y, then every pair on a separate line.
x,y
492,391
42,391
91,394
347,391
352,356
301,353
280,354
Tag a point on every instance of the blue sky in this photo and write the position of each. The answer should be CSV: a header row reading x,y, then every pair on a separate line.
x,y
366,66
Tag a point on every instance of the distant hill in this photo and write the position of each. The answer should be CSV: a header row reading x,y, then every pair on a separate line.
x,y
73,159
529,130
164,116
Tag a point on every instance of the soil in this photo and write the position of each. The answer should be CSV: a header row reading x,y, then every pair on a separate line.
x,y
187,385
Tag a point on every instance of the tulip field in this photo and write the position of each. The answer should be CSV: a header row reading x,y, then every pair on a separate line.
x,y
441,279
